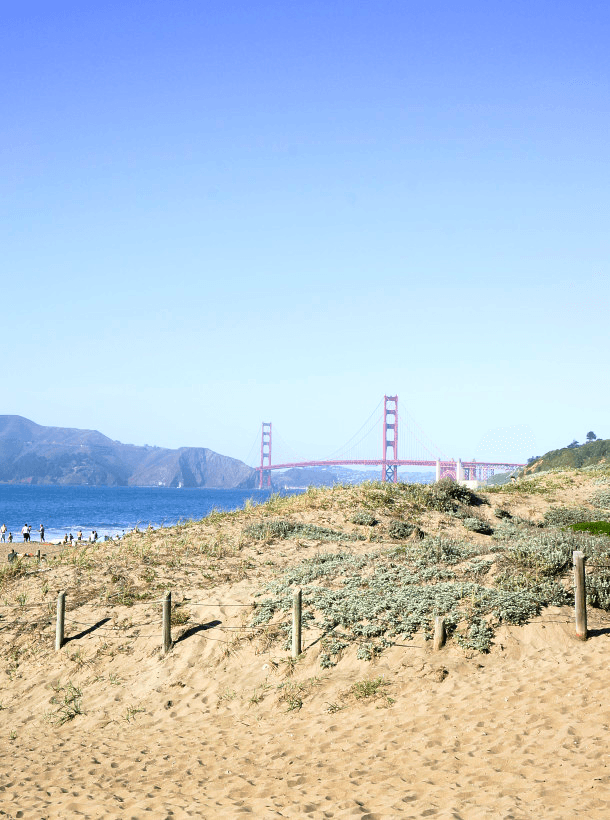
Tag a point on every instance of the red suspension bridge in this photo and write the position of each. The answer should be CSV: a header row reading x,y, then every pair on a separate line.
x,y
391,424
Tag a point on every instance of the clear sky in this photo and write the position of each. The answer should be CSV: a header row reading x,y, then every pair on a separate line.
x,y
219,213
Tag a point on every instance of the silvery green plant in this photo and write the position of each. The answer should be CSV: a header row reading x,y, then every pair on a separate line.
x,y
477,525
401,529
281,528
564,516
364,518
601,500
479,636
385,595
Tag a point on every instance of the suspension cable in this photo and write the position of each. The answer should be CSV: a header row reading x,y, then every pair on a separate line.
x,y
435,451
349,441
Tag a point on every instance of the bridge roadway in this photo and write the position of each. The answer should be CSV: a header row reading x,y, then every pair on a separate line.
x,y
376,462
457,470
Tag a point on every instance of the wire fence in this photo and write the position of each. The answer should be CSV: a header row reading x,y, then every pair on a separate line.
x,y
131,630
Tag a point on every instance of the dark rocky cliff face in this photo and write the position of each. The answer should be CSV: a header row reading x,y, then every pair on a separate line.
x,y
33,454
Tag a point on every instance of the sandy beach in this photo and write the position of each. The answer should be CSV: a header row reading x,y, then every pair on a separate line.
x,y
227,725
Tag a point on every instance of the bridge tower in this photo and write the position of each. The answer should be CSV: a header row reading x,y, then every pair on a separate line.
x,y
265,474
389,469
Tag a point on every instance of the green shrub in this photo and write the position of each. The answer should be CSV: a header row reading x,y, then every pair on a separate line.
x,y
276,528
366,652
594,527
546,591
601,500
325,534
368,688
515,607
375,599
564,516
445,494
598,591
400,529
387,595
280,528
364,518
500,513
585,456
477,525
477,567
435,549
479,636
545,554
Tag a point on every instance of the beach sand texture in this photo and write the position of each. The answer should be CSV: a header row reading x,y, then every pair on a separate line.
x,y
224,726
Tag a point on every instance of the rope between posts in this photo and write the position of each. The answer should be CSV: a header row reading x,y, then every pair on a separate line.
x,y
132,603
212,603
4,627
85,603
131,626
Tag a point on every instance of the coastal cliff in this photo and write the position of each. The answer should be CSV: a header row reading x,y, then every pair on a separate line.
x,y
33,454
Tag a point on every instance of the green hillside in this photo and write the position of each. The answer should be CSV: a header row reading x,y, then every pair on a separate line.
x,y
585,455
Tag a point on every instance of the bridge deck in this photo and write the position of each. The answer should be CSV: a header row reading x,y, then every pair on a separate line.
x,y
376,462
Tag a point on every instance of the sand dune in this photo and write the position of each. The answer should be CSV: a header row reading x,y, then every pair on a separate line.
x,y
521,732
208,731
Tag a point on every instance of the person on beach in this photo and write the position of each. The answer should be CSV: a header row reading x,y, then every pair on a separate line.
x,y
41,530
3,532
79,535
66,538
71,538
10,537
25,532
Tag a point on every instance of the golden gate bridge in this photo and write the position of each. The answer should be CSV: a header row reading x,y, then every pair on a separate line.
x,y
391,425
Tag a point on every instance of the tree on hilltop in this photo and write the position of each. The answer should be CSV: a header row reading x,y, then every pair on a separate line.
x,y
573,445
591,436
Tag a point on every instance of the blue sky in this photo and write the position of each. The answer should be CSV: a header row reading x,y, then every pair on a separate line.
x,y
218,213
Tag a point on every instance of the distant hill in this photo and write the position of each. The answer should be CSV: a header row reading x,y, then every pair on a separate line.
x,y
326,477
499,479
585,455
33,454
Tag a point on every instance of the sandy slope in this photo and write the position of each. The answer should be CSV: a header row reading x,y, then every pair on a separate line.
x,y
208,732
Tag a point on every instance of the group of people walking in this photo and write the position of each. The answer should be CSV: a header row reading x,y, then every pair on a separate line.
x,y
26,532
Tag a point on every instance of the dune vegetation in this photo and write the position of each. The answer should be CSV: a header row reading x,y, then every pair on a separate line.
x,y
375,562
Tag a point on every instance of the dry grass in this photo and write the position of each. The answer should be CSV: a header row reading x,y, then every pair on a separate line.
x,y
125,580
236,679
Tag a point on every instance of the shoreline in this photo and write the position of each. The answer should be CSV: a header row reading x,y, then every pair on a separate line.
x,y
112,512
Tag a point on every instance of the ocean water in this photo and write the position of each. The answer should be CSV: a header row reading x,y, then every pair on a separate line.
x,y
111,510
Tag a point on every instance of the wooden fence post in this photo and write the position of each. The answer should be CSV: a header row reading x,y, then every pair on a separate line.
x,y
167,622
440,633
61,617
296,623
580,595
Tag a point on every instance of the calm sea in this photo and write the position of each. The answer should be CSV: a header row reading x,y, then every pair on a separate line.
x,y
111,510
